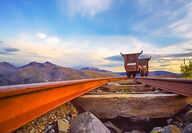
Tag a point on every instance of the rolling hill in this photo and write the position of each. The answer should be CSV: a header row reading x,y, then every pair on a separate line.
x,y
97,73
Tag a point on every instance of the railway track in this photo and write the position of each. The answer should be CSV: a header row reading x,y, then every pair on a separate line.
x,y
179,86
20,104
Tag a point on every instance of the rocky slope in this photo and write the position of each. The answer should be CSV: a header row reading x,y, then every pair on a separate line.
x,y
6,67
35,72
42,72
6,71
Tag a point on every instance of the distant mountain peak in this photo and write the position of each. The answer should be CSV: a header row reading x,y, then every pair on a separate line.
x,y
49,63
93,69
90,68
32,64
6,64
37,63
7,67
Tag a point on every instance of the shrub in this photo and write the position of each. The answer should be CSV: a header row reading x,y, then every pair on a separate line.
x,y
186,70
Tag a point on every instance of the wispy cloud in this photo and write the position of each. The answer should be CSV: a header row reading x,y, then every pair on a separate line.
x,y
160,57
183,24
114,58
47,39
177,55
9,50
41,35
52,40
85,7
189,49
188,35
165,18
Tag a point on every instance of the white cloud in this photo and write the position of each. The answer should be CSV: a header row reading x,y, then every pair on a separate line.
x,y
49,40
85,7
182,25
188,35
41,35
52,40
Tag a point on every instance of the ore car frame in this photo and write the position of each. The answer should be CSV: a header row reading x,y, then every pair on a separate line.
x,y
133,65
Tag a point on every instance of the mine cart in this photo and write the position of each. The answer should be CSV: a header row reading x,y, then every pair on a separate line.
x,y
131,64
143,66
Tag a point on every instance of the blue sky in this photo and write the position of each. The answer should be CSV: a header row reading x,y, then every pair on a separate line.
x,y
80,33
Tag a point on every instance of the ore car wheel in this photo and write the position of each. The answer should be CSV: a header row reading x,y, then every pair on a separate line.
x,y
134,74
142,72
146,74
128,74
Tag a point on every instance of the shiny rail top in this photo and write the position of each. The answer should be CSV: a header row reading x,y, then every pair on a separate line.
x,y
19,104
176,85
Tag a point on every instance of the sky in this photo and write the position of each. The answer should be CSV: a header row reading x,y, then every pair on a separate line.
x,y
92,33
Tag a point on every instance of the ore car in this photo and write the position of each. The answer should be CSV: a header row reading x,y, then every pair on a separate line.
x,y
133,65
143,66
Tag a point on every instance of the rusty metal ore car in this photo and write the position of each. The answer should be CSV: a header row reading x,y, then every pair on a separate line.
x,y
134,65
144,66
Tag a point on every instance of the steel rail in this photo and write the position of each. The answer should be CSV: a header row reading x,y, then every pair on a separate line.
x,y
19,104
179,86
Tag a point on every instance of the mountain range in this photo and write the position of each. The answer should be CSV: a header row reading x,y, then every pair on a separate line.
x,y
162,73
35,72
97,73
94,69
156,73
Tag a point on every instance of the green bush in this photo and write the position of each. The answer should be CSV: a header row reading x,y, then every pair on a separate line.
x,y
186,70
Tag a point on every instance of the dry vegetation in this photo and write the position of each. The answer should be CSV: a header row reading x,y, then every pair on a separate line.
x,y
95,74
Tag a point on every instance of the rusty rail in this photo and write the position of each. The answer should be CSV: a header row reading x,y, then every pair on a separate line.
x,y
20,104
179,86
